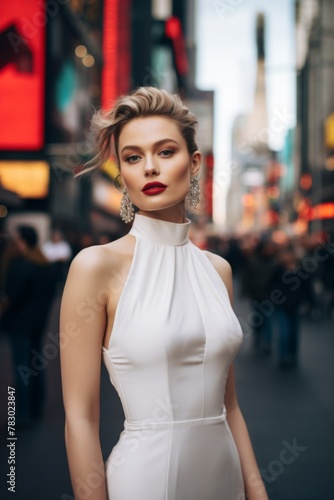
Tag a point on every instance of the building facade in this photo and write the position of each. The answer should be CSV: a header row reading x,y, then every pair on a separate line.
x,y
314,202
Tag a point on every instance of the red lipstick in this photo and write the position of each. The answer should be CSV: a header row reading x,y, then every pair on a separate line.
x,y
152,188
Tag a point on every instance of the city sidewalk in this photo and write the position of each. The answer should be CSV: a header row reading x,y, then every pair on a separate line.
x,y
289,414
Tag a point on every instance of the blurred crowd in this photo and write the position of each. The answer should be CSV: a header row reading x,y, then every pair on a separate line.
x,y
31,277
284,278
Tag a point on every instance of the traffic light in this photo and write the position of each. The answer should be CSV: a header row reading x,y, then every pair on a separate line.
x,y
169,32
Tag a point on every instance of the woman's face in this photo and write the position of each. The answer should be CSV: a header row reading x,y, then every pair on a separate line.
x,y
156,166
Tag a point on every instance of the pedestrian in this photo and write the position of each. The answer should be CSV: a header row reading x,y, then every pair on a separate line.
x,y
29,288
257,279
293,292
158,308
58,252
57,249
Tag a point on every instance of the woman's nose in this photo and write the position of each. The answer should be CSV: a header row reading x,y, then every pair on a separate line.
x,y
151,167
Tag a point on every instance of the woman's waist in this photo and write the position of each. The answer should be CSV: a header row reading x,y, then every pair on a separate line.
x,y
153,424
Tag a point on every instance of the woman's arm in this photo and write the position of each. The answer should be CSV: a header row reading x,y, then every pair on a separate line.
x,y
254,486
82,327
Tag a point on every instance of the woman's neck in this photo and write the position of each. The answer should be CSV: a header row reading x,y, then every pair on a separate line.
x,y
173,214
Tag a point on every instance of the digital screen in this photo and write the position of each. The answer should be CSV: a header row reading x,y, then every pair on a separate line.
x,y
28,179
22,66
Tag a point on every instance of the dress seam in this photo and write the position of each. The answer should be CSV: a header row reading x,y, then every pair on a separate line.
x,y
172,412
168,461
203,372
206,336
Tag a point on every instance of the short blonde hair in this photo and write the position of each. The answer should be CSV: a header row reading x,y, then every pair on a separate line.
x,y
143,102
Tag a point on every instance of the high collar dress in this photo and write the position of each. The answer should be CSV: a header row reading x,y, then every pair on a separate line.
x,y
174,337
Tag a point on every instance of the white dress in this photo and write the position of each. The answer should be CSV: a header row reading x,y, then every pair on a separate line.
x,y
173,340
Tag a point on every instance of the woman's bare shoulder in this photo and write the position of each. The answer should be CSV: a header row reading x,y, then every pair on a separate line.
x,y
99,259
221,265
223,268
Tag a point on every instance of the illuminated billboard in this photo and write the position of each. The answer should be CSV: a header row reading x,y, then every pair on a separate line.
x,y
22,67
116,50
28,179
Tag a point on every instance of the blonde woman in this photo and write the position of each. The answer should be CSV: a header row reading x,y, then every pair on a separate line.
x,y
158,311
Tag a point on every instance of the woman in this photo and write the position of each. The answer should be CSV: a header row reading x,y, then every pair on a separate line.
x,y
162,318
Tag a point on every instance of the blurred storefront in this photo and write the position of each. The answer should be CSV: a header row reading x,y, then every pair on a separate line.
x,y
314,196
60,61
24,169
93,73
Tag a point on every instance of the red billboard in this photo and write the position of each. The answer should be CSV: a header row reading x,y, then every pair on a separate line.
x,y
116,50
22,67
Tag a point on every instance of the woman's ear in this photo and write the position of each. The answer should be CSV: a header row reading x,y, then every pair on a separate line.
x,y
196,161
118,182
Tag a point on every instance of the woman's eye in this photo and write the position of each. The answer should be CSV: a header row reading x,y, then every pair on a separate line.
x,y
166,153
132,158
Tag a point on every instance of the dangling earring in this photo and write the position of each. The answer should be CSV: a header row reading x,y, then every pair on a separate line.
x,y
127,212
194,194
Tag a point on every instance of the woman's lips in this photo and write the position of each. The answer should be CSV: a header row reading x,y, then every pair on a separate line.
x,y
153,188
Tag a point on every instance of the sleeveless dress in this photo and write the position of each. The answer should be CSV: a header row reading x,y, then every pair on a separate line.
x,y
174,337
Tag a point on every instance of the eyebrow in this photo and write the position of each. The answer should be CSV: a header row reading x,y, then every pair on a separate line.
x,y
155,145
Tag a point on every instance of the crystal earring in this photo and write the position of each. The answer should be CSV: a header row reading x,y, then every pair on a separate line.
x,y
194,194
127,212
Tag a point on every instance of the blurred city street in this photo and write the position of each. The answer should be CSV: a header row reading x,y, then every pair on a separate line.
x,y
258,76
285,409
